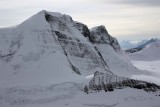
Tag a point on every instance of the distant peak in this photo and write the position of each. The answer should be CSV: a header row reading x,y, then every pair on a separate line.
x,y
154,39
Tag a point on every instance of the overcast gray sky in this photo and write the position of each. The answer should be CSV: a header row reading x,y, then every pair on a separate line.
x,y
124,19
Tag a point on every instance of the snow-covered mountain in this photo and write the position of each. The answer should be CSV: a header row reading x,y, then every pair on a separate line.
x,y
50,57
141,46
149,52
128,44
148,42
48,45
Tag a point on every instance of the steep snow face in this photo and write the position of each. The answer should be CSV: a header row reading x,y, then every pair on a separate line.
x,y
44,49
10,41
119,64
30,55
149,53
111,53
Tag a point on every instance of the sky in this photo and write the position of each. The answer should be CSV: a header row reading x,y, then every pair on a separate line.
x,y
124,19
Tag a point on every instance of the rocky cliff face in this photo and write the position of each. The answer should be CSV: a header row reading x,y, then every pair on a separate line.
x,y
99,35
81,56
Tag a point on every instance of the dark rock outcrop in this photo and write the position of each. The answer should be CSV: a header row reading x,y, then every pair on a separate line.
x,y
99,35
102,81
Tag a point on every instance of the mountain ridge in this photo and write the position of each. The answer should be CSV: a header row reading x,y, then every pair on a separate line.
x,y
142,46
149,53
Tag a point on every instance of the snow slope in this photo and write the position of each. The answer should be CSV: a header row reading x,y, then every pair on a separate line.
x,y
112,53
72,96
148,59
149,53
30,55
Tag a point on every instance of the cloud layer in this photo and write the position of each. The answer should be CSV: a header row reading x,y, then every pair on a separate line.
x,y
122,18
138,2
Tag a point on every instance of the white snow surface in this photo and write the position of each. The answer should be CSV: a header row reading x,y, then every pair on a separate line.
x,y
119,64
150,53
153,69
72,96
148,59
38,58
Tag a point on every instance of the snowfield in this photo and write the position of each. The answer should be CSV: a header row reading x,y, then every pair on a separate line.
x,y
71,95
148,59
151,67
